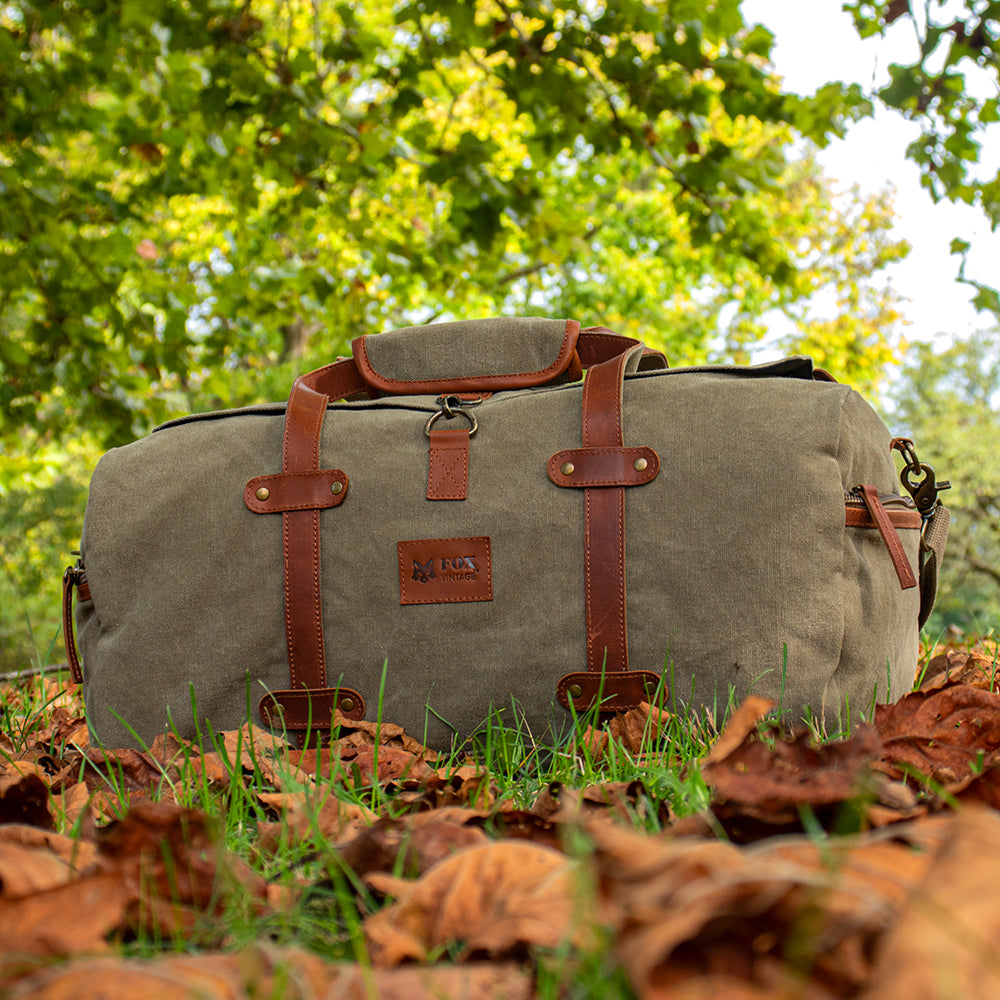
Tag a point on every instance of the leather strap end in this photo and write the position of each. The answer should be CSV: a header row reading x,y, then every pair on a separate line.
x,y
309,711
889,535
612,691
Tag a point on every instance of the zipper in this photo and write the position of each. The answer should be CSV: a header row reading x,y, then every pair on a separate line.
x,y
853,498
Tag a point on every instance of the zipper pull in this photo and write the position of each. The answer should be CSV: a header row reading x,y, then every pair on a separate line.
x,y
889,535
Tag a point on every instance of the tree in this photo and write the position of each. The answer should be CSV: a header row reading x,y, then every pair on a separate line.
x,y
190,193
959,58
950,402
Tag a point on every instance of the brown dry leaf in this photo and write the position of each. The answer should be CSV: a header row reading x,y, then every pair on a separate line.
x,y
788,917
65,920
292,973
301,821
946,941
759,784
944,734
395,766
361,733
496,900
24,869
254,749
977,668
743,723
634,730
131,771
422,838
77,853
171,864
24,798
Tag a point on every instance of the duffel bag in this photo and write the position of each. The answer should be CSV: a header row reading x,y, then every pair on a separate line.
x,y
451,527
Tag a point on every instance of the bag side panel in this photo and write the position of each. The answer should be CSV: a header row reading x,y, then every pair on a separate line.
x,y
881,638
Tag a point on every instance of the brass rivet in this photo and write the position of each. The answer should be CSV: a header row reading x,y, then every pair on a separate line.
x,y
640,464
263,493
568,468
574,690
337,488
346,705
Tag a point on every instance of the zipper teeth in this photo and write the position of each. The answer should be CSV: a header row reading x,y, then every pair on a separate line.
x,y
855,498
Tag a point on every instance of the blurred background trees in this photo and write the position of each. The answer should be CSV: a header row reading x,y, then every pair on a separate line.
x,y
199,200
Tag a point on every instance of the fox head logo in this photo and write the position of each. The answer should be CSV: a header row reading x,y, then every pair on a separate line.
x,y
423,572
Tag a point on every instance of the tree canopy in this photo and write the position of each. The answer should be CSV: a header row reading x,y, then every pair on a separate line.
x,y
952,91
193,193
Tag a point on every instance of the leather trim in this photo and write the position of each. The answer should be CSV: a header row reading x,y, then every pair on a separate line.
x,y
473,383
296,491
859,517
300,538
618,691
889,535
73,578
597,344
341,380
604,520
448,464
604,467
302,711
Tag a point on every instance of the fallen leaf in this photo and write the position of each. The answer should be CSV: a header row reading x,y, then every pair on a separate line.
x,y
946,941
65,920
496,900
943,734
977,668
412,844
790,916
767,781
310,817
269,972
24,798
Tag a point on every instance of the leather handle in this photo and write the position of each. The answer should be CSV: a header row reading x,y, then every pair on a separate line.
x,y
346,378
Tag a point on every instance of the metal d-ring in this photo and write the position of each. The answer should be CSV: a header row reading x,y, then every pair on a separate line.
x,y
452,411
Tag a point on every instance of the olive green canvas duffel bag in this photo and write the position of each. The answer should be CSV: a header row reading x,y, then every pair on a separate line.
x,y
451,526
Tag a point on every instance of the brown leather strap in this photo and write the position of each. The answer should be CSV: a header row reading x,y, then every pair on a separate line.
x,y
302,712
448,464
613,692
604,521
582,467
73,577
300,538
889,535
285,491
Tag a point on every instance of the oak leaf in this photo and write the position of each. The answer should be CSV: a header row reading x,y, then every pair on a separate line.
x,y
496,900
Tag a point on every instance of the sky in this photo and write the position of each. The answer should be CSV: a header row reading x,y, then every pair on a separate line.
x,y
815,42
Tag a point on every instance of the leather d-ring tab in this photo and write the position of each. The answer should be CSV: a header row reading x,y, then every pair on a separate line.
x,y
583,467
308,490
301,711
613,691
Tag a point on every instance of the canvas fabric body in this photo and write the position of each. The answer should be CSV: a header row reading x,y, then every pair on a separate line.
x,y
741,575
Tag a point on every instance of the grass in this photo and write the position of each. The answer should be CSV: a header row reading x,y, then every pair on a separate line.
x,y
232,780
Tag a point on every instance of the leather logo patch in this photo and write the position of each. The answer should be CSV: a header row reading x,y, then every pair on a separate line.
x,y
445,570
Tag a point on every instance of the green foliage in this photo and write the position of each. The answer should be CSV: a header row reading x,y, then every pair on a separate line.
x,y
942,90
950,402
190,193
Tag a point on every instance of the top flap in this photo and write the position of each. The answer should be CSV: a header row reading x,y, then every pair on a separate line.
x,y
484,355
